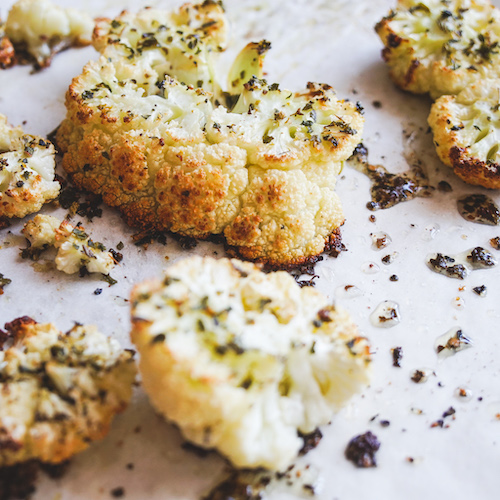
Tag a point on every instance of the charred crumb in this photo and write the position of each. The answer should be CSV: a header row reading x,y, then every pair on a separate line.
x,y
376,104
4,282
117,492
479,208
187,242
454,341
311,440
69,199
394,277
449,412
238,487
197,450
361,450
495,242
117,256
18,481
98,291
419,377
481,258
480,290
397,356
385,423
445,265
120,246
437,423
444,187
372,218
55,471
4,223
130,466
145,238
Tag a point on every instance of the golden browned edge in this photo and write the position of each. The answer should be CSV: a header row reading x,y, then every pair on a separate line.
x,y
474,171
7,53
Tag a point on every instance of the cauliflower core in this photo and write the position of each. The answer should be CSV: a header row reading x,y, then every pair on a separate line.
x,y
243,361
146,129
58,391
75,249
466,133
441,46
41,29
27,169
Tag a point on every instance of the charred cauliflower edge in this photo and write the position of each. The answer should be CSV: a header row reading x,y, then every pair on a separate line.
x,y
149,129
244,361
58,391
27,171
466,134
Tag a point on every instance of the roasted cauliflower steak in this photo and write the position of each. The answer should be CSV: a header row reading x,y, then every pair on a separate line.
x,y
244,361
466,133
58,391
40,29
441,46
149,129
27,171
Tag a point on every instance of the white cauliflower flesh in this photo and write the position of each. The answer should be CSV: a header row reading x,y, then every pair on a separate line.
x,y
41,231
466,132
41,29
441,46
75,249
243,361
58,391
27,170
148,128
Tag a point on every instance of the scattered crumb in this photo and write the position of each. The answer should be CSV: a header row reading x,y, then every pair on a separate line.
x,y
361,450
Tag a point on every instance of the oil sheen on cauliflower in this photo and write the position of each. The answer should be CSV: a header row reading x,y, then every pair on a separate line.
x,y
441,46
58,391
149,129
27,165
75,248
466,133
243,361
41,29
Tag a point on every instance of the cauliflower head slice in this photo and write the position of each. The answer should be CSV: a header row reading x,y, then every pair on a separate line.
x,y
42,29
441,46
466,133
58,391
41,231
171,159
27,170
243,361
178,43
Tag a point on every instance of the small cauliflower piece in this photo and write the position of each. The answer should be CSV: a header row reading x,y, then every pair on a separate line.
x,y
75,248
58,391
41,231
244,361
27,170
466,133
41,29
148,128
441,46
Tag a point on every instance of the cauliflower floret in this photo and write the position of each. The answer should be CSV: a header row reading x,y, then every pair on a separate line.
x,y
27,169
41,231
465,129
58,391
243,361
41,29
75,248
261,170
441,46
